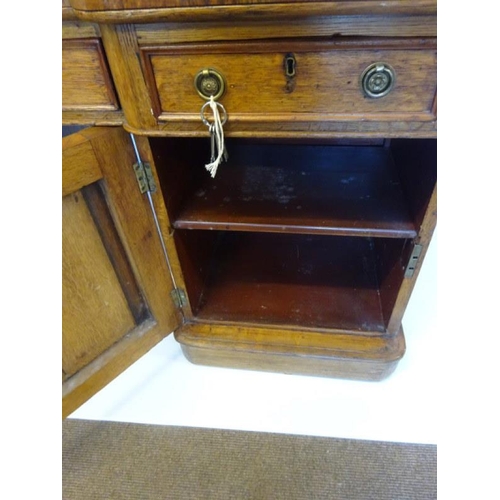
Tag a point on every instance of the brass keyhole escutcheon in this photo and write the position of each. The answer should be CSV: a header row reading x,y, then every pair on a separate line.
x,y
377,80
290,65
209,82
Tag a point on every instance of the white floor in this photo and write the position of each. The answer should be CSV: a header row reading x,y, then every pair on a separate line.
x,y
164,388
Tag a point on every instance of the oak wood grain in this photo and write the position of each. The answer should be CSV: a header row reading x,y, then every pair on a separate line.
x,y
257,11
124,232
93,118
298,340
81,167
77,29
163,214
277,362
323,26
87,83
89,285
73,29
151,4
121,47
95,199
292,351
68,13
138,232
98,373
298,129
326,86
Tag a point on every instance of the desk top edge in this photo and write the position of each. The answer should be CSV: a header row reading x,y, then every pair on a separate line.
x,y
176,10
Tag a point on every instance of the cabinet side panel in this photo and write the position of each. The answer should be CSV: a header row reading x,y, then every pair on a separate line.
x,y
416,162
180,164
196,251
391,256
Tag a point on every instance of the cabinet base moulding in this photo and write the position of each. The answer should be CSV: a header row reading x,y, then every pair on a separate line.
x,y
362,357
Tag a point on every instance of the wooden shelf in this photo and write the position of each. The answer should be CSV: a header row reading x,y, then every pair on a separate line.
x,y
302,280
294,188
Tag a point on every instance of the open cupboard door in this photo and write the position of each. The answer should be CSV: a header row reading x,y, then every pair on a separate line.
x,y
117,285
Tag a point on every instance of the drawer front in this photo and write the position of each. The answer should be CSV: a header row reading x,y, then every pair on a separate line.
x,y
86,81
323,81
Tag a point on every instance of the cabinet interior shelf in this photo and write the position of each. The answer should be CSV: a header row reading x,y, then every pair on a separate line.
x,y
293,234
286,279
296,188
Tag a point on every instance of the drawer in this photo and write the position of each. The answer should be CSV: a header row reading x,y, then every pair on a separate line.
x,y
302,81
86,80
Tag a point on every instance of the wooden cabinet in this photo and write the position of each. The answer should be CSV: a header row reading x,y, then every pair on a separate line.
x,y
301,254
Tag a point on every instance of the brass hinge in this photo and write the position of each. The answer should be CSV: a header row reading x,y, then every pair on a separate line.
x,y
144,177
412,263
179,297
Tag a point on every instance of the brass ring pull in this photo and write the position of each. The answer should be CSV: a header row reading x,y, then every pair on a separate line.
x,y
377,80
209,82
223,114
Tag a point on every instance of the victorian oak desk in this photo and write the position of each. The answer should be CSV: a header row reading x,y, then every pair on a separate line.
x,y
300,255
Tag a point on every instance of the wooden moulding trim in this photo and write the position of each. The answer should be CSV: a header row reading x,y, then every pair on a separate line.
x,y
69,14
95,44
363,130
90,118
296,229
351,368
292,45
92,108
400,26
199,325
234,337
76,29
150,81
98,13
305,117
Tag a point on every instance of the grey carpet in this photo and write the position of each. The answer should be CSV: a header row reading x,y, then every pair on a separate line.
x,y
108,460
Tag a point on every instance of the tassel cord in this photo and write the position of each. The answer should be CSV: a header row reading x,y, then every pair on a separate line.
x,y
219,138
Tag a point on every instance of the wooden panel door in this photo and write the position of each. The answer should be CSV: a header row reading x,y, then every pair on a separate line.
x,y
116,282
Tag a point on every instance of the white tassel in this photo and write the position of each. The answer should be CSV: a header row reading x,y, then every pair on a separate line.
x,y
219,139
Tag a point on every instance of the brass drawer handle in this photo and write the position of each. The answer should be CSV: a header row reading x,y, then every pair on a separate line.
x,y
209,82
377,80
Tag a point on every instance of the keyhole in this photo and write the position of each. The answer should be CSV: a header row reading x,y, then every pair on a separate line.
x,y
290,65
